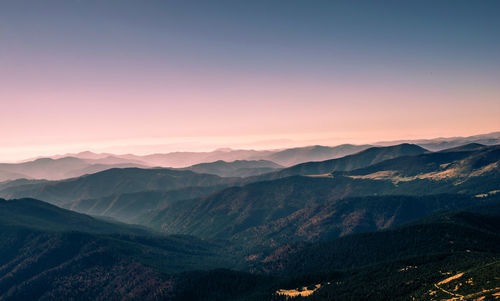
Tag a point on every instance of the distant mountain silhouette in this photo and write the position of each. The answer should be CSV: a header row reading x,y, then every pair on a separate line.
x,y
438,144
62,168
9,176
238,168
284,157
298,155
68,165
74,165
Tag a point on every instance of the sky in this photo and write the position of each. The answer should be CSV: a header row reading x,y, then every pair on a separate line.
x,y
156,76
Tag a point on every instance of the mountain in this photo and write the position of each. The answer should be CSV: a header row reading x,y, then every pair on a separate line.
x,y
458,164
427,236
314,207
451,255
35,214
43,257
62,168
113,181
95,168
45,168
181,201
85,155
235,209
187,159
293,156
19,182
361,159
303,208
9,175
238,168
406,224
51,253
285,157
130,207
439,144
337,218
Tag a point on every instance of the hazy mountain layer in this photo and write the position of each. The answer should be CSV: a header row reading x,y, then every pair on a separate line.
x,y
238,168
132,207
63,168
438,144
113,181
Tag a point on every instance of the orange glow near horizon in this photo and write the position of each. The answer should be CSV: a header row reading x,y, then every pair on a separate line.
x,y
161,76
268,114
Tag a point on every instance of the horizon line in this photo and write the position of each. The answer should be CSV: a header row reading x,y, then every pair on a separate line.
x,y
229,148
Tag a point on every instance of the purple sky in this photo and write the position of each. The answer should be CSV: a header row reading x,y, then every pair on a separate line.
x,y
157,76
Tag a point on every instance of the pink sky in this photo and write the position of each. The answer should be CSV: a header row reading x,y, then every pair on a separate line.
x,y
127,76
239,112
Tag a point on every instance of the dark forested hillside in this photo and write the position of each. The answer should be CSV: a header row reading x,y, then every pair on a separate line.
x,y
49,253
409,261
238,208
311,206
34,214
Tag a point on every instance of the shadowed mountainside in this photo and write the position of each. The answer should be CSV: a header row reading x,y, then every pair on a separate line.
x,y
467,161
51,253
113,181
305,208
455,254
130,207
359,160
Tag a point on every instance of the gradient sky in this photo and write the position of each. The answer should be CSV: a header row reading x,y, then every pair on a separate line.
x,y
156,76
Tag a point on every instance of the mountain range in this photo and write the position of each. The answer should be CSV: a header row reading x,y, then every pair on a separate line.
x,y
438,144
224,162
267,211
62,168
396,222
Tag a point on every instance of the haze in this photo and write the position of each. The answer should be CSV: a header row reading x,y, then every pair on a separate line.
x,y
157,76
